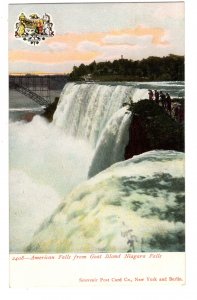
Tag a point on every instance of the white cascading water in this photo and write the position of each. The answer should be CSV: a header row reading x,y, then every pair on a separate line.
x,y
111,145
84,109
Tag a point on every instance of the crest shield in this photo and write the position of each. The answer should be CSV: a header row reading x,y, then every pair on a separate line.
x,y
34,29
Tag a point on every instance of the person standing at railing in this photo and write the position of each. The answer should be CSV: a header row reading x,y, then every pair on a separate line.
x,y
162,98
156,96
150,94
168,103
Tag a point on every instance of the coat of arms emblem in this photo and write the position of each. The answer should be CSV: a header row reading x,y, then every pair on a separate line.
x,y
34,29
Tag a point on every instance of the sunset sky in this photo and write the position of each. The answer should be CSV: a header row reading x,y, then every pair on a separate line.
x,y
100,32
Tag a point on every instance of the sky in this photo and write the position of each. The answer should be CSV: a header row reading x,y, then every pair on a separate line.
x,y
97,31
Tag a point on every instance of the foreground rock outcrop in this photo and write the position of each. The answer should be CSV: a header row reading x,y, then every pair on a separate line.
x,y
50,110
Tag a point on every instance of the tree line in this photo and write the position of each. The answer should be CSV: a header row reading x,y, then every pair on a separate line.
x,y
167,68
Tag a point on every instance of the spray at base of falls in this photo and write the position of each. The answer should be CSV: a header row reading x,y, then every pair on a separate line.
x,y
45,164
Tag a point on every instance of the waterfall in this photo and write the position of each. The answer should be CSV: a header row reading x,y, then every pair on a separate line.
x,y
84,109
111,145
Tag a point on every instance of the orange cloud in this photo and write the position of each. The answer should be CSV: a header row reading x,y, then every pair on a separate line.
x,y
75,38
97,37
156,33
51,57
72,40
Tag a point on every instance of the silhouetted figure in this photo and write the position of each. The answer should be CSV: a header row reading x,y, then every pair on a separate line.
x,y
162,98
150,94
168,103
156,95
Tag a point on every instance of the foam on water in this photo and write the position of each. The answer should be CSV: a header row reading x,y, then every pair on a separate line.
x,y
30,204
120,204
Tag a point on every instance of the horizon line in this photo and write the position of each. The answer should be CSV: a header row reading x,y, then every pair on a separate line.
x,y
35,73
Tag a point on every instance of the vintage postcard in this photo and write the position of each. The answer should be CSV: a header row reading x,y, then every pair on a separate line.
x,y
96,144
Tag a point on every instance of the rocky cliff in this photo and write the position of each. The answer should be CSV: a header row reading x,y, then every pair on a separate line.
x,y
49,110
153,128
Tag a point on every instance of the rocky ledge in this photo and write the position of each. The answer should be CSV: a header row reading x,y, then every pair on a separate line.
x,y
152,128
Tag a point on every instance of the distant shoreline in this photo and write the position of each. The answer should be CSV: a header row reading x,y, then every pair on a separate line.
x,y
98,79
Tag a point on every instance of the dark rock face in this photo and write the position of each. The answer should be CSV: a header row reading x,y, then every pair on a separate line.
x,y
138,141
153,129
49,110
